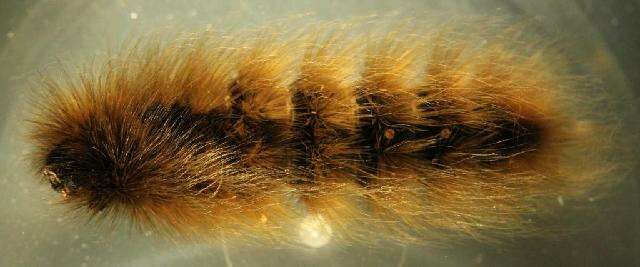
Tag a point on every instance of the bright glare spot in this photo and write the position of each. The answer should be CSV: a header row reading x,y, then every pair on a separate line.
x,y
133,15
560,200
314,231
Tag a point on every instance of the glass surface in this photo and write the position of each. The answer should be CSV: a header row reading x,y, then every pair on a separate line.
x,y
36,34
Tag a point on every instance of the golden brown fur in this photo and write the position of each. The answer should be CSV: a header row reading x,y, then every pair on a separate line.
x,y
403,137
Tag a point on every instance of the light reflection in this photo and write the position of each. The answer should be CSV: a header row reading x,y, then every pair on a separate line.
x,y
315,231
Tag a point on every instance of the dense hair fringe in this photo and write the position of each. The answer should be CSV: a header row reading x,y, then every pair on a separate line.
x,y
417,137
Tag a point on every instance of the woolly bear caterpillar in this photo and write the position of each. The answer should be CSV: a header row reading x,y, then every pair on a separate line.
x,y
274,138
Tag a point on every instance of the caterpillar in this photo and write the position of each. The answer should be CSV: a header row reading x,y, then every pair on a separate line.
x,y
325,134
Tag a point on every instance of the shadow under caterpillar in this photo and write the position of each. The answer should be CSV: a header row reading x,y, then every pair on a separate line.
x,y
410,137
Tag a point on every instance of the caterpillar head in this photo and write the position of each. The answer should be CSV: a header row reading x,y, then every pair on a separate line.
x,y
115,158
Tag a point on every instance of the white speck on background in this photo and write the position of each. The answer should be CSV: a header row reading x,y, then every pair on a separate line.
x,y
561,200
615,22
133,15
10,35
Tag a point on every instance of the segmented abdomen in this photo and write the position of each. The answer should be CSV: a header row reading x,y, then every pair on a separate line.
x,y
403,134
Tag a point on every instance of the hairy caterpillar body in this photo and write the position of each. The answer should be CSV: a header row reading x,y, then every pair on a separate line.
x,y
399,136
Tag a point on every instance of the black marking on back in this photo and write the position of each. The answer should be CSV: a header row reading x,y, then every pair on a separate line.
x,y
305,140
263,130
497,141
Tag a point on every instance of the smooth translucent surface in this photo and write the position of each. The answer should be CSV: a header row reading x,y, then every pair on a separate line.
x,y
34,232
